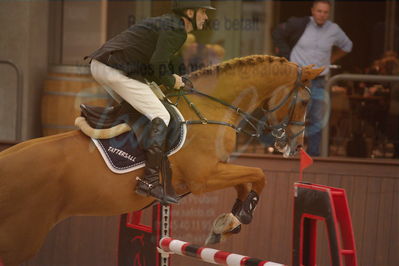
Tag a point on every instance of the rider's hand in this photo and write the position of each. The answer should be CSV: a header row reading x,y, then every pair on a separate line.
x,y
178,82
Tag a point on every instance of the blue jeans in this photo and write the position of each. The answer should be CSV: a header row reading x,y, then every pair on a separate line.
x,y
317,116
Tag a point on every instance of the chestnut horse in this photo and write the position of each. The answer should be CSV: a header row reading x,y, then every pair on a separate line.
x,y
46,180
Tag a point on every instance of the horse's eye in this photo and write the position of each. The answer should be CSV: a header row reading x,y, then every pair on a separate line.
x,y
304,102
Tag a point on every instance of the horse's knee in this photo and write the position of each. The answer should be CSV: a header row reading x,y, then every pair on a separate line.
x,y
243,190
259,184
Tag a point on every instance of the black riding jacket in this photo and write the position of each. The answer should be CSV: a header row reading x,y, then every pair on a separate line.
x,y
144,50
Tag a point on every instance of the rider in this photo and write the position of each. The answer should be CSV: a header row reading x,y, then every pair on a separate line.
x,y
143,51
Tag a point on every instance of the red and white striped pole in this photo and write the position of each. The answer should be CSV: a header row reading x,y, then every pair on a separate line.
x,y
210,255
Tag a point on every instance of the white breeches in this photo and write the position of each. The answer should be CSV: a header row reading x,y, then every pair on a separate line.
x,y
136,93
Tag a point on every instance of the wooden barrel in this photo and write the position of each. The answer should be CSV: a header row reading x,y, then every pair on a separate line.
x,y
65,88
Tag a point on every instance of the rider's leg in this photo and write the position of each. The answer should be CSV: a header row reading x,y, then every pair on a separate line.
x,y
155,151
141,97
136,93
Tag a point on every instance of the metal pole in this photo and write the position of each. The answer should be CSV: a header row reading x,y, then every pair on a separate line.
x,y
352,77
18,122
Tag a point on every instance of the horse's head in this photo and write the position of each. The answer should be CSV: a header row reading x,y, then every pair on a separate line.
x,y
244,84
286,111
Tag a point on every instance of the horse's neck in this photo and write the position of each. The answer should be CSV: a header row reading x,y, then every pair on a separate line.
x,y
246,88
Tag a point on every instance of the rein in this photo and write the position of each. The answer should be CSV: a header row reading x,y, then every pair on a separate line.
x,y
204,121
278,131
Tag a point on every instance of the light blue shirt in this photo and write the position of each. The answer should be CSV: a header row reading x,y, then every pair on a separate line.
x,y
315,44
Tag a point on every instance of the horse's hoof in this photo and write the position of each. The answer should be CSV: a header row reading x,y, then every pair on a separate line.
x,y
225,223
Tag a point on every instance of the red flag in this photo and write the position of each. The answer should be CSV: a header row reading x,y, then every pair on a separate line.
x,y
306,161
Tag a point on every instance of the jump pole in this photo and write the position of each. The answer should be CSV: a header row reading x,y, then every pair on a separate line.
x,y
169,245
144,245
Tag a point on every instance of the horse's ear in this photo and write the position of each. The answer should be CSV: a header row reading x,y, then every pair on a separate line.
x,y
310,73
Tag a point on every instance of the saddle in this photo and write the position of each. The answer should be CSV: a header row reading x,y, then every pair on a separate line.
x,y
124,152
108,117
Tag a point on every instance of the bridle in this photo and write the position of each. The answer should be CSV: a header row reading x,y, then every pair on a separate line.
x,y
259,126
279,131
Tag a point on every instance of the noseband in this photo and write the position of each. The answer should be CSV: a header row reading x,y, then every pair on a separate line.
x,y
279,131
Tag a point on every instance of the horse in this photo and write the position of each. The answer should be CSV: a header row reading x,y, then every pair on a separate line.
x,y
46,180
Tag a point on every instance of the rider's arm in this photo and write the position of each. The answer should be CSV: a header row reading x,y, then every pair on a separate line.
x,y
167,45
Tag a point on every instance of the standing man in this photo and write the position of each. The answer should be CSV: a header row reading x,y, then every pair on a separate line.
x,y
306,41
144,51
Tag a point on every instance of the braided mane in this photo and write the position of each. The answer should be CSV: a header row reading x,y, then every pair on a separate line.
x,y
237,62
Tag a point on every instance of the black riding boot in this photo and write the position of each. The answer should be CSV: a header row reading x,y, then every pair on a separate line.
x,y
149,184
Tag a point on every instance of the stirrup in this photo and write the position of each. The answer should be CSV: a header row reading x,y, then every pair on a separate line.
x,y
155,190
149,185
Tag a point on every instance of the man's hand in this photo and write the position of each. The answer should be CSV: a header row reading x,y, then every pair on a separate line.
x,y
337,54
178,82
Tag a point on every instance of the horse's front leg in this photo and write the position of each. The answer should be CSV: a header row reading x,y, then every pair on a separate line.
x,y
247,199
243,191
249,183
245,204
